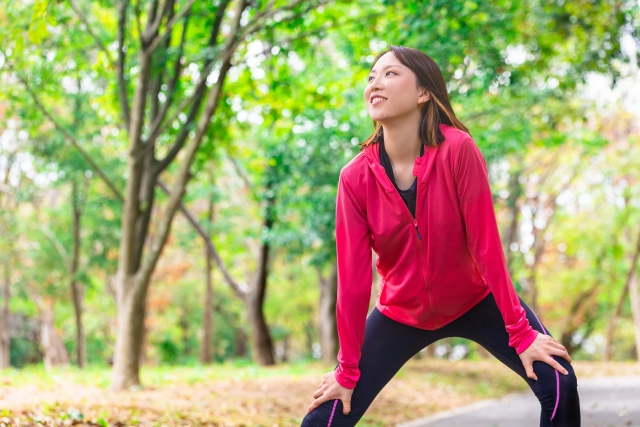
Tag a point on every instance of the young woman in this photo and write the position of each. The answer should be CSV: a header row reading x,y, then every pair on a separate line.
x,y
418,193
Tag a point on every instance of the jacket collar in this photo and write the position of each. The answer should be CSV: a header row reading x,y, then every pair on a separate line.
x,y
421,167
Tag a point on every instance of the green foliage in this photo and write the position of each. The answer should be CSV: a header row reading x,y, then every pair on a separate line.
x,y
290,116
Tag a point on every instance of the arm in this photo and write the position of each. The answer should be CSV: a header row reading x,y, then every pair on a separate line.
x,y
353,249
483,239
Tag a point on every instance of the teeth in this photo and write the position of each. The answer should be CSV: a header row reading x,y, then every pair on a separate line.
x,y
377,100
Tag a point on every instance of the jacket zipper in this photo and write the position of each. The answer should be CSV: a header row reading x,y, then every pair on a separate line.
x,y
432,308
415,224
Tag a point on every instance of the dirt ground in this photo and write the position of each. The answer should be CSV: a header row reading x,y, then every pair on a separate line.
x,y
278,398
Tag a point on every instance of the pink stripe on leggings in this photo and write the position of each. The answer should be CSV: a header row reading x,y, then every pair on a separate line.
x,y
334,410
555,408
557,394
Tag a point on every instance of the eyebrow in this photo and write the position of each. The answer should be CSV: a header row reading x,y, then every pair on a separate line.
x,y
388,66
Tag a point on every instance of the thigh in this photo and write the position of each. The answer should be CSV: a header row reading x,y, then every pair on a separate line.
x,y
387,346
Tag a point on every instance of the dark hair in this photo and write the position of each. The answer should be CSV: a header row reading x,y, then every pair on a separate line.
x,y
436,110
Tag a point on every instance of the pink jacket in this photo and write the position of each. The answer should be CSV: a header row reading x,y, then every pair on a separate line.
x,y
434,268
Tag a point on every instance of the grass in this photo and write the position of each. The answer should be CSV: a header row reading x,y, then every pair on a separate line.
x,y
242,394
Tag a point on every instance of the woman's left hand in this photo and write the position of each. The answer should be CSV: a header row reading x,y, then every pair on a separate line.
x,y
542,349
330,389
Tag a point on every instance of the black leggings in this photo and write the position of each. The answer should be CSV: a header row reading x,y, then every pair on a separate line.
x,y
388,345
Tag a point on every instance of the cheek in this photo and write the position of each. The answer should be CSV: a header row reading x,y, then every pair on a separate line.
x,y
400,92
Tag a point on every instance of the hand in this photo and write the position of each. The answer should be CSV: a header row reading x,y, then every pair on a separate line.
x,y
330,389
542,349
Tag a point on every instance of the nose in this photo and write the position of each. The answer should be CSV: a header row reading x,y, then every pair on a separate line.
x,y
374,86
374,83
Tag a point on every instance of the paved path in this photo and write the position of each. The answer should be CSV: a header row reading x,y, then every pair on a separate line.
x,y
605,402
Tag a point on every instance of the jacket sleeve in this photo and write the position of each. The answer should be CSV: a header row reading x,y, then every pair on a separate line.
x,y
353,251
483,239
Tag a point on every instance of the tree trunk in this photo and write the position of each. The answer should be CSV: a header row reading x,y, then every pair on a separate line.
x,y
429,352
131,313
260,336
54,351
613,322
632,282
578,314
241,342
513,204
206,353
635,309
5,339
328,326
76,288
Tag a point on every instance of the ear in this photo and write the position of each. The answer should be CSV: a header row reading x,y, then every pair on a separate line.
x,y
424,96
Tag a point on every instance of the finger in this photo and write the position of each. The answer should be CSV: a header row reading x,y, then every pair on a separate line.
x,y
318,393
346,406
551,361
316,403
566,356
528,367
562,353
557,345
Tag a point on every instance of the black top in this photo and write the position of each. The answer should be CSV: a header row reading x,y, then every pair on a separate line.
x,y
408,195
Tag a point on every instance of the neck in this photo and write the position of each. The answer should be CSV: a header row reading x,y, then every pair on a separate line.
x,y
401,140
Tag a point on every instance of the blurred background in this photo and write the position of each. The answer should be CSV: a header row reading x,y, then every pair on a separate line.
x,y
168,173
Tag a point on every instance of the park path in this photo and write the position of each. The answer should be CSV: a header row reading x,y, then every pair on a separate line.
x,y
605,402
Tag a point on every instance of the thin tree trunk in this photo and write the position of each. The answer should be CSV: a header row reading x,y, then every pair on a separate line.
x,y
513,204
5,339
613,322
635,310
328,326
76,288
632,282
183,323
206,354
54,350
261,338
241,342
429,352
576,319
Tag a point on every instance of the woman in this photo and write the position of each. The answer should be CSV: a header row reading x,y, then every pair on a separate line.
x,y
418,194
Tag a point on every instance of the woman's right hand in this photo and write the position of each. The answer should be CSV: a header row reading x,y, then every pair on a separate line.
x,y
330,389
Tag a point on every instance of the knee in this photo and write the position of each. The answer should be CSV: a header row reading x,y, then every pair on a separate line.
x,y
550,381
553,387
569,382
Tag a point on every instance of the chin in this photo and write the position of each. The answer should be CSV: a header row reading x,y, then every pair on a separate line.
x,y
377,117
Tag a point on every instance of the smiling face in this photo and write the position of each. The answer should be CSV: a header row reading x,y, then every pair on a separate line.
x,y
391,91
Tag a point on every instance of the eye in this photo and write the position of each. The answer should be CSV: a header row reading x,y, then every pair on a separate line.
x,y
370,77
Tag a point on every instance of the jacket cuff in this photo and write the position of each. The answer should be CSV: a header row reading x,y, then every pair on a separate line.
x,y
521,334
347,378
525,343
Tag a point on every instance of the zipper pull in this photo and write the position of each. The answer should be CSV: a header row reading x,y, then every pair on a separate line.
x,y
415,222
